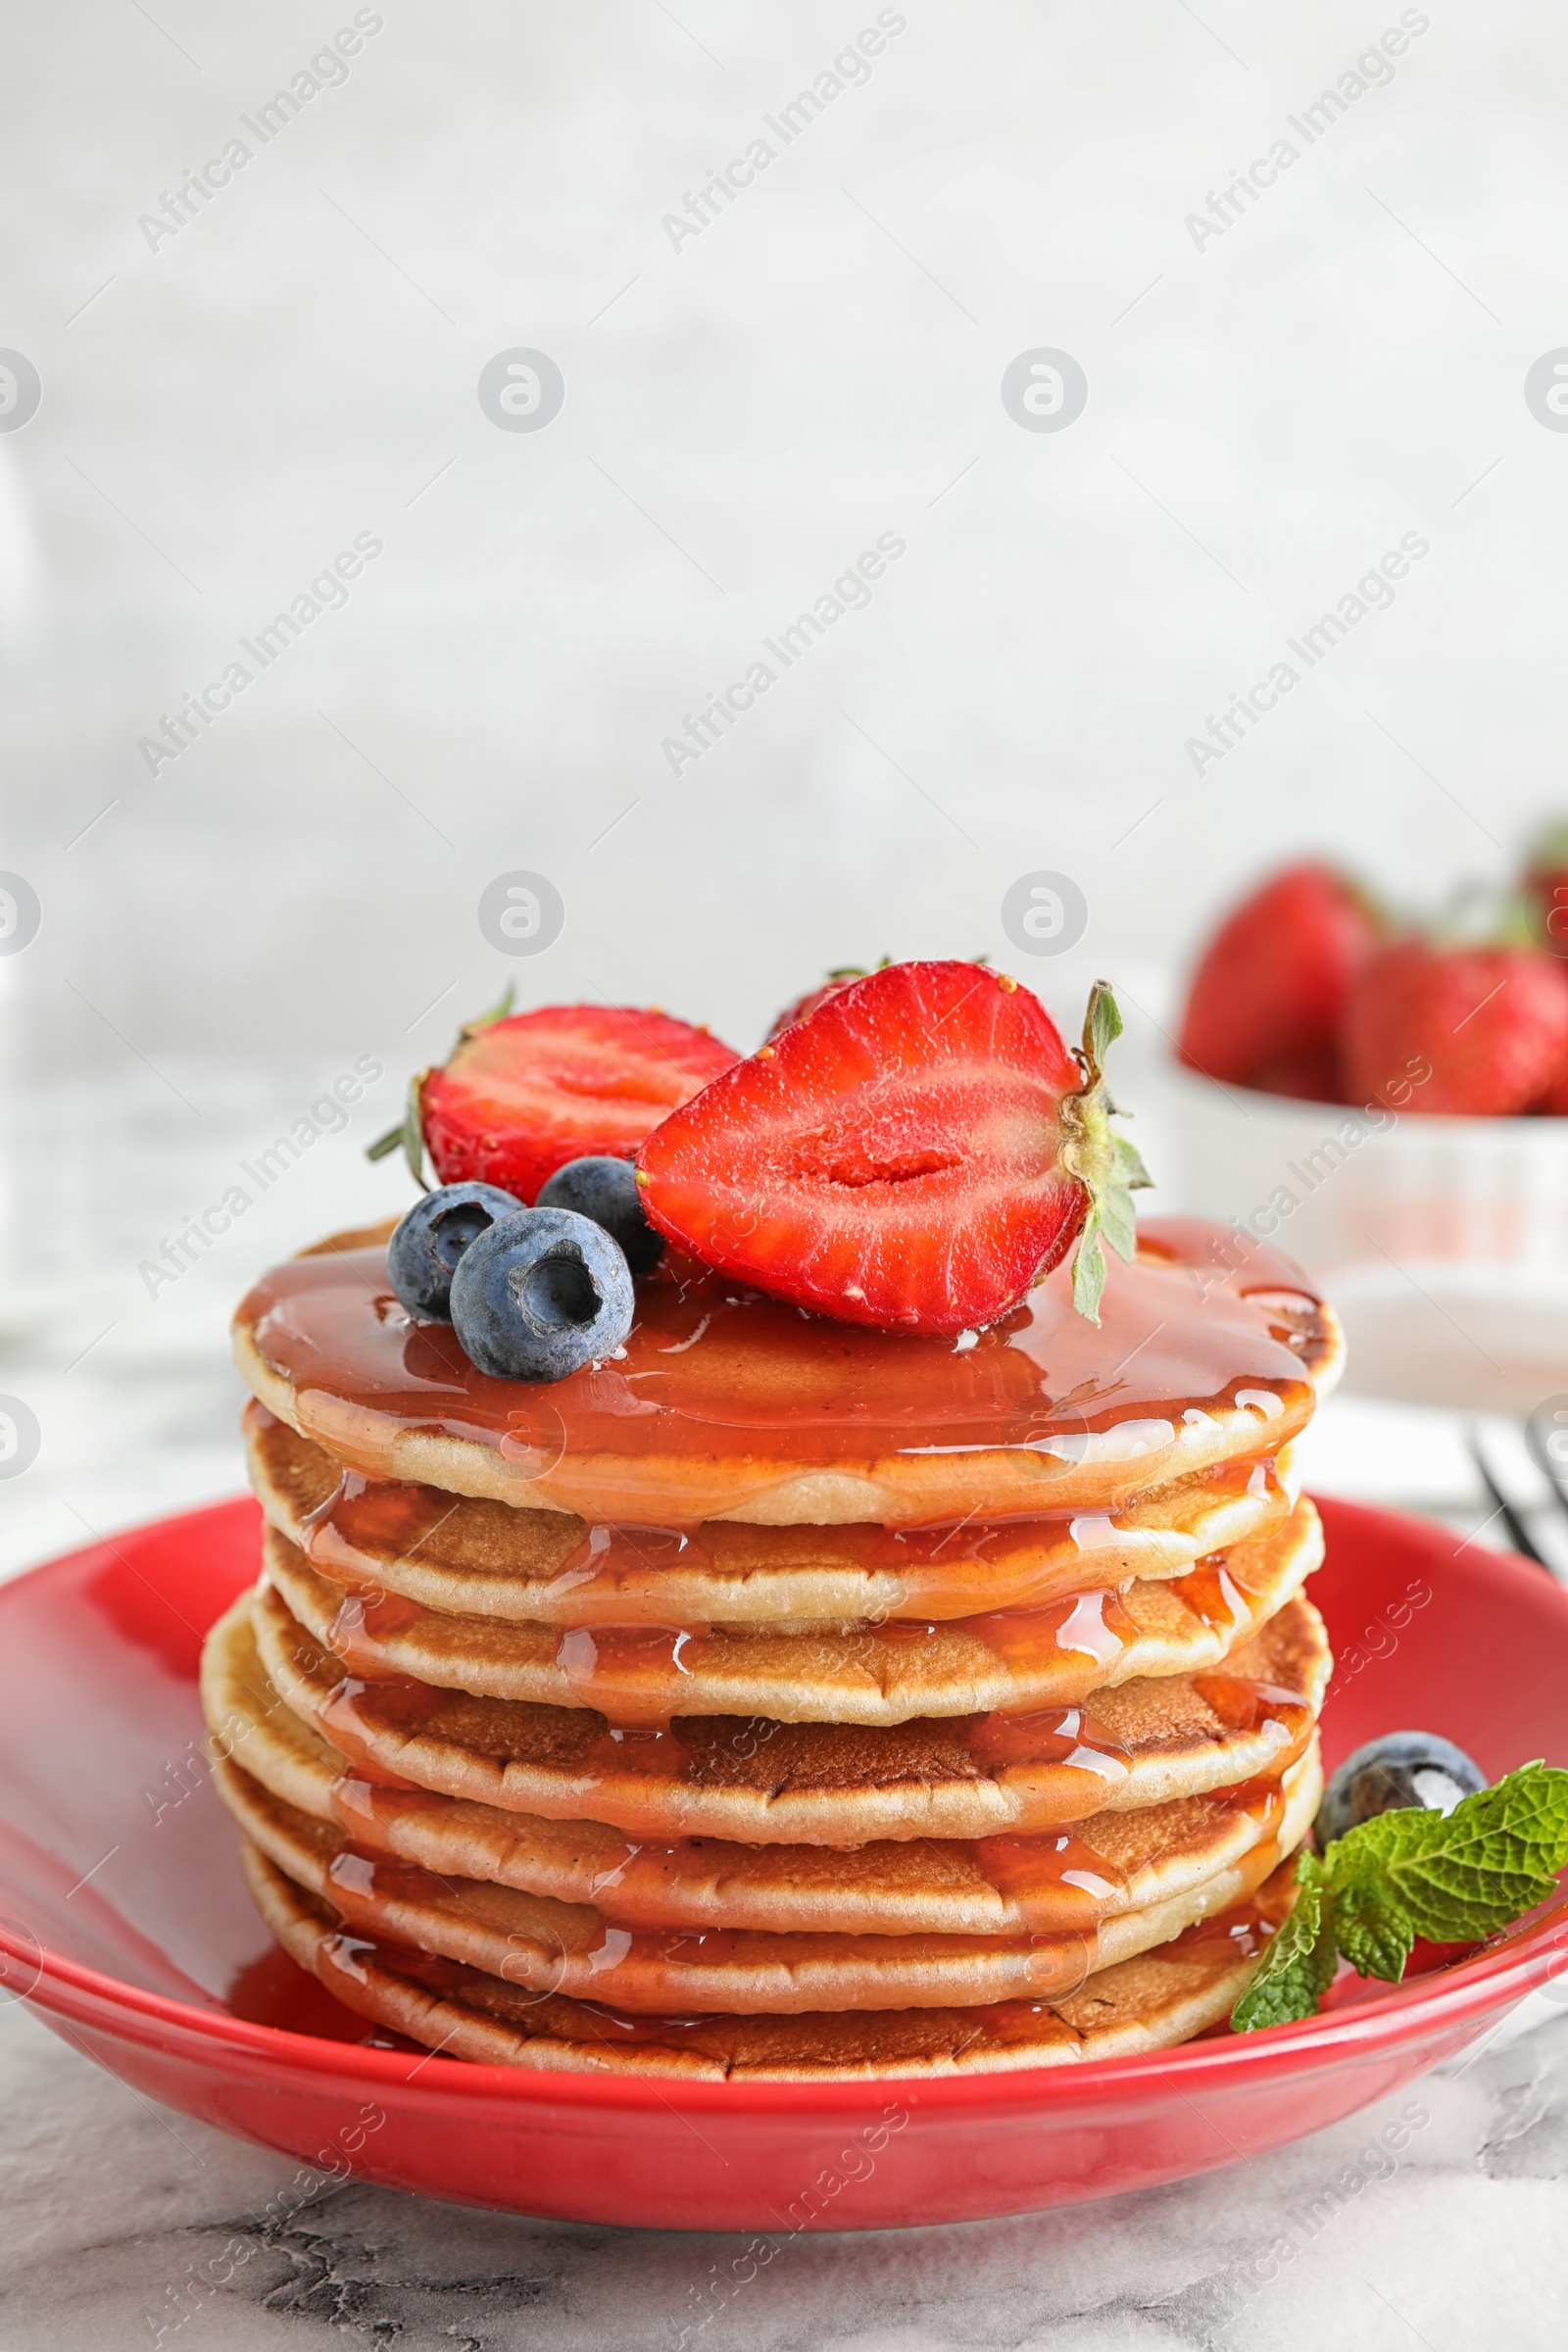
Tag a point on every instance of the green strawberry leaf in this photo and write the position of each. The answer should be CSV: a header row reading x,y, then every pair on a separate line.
x,y
497,1012
1126,1166
408,1136
1104,1164
1118,1221
1102,1025
1089,1268
1299,1961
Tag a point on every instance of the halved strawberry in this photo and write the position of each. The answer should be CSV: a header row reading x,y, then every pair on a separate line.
x,y
804,1006
522,1096
915,1153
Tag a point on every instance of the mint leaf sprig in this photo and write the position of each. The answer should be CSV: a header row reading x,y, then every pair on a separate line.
x,y
1451,1878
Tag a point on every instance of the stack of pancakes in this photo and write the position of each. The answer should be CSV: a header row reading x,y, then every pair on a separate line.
x,y
782,1698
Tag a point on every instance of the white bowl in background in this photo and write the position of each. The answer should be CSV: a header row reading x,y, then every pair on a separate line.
x,y
1334,1187
1443,1242
1476,1338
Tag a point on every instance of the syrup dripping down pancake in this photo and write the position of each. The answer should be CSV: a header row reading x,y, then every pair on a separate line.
x,y
546,1946
1162,1998
470,1558
757,1780
1046,1882
1011,1661
724,1404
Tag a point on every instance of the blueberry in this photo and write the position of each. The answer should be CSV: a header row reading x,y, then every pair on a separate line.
x,y
423,1254
1402,1768
606,1189
541,1293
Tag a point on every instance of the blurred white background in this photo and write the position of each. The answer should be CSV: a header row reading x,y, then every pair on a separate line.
x,y
226,406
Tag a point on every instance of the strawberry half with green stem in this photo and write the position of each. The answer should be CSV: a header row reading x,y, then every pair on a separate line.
x,y
522,1093
915,1153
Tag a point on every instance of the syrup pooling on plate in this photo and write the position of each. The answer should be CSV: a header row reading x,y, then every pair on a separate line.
x,y
712,1369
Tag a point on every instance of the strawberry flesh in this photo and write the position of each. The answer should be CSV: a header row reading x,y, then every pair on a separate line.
x,y
904,1155
1490,1025
804,1006
1271,986
521,1097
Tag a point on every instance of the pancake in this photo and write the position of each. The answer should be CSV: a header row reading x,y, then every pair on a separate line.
x,y
724,1404
577,1949
1010,1661
1047,1882
468,1557
755,1780
1162,1998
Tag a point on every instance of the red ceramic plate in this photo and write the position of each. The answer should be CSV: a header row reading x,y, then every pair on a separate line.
x,y
123,1920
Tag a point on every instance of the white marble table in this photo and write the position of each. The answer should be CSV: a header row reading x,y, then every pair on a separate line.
x,y
113,2210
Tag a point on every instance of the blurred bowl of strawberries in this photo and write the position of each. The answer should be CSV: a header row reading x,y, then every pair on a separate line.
x,y
1387,1102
